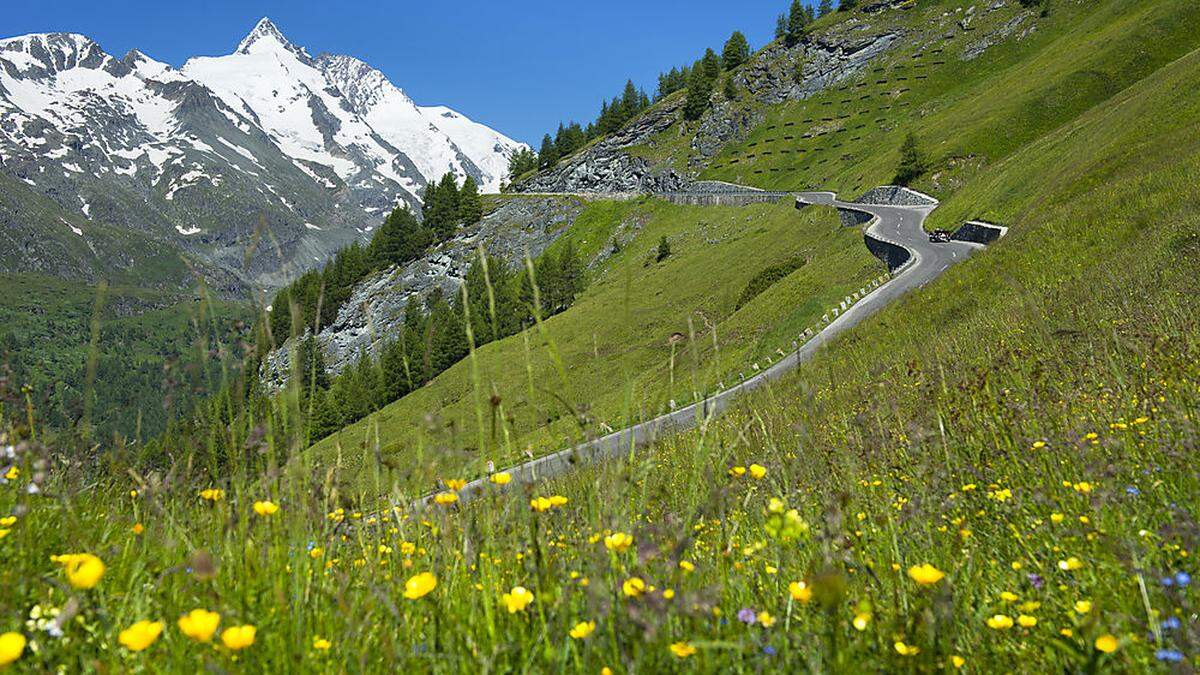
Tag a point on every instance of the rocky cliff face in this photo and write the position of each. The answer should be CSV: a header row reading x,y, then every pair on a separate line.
x,y
606,167
520,226
775,75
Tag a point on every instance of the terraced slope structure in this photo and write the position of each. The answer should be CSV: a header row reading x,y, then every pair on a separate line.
x,y
973,110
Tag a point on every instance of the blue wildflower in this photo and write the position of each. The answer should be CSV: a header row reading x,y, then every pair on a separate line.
x,y
1169,655
1171,623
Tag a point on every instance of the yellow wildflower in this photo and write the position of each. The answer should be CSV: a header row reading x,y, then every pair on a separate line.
x,y
239,637
801,591
321,644
633,587
517,599
140,635
1027,621
501,478
12,645
682,650
1000,622
445,498
583,629
618,542
199,624
757,471
1107,643
83,570
1083,606
861,621
418,586
455,484
266,508
906,650
925,574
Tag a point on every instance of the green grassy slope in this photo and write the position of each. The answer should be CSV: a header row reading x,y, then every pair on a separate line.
x,y
613,345
973,117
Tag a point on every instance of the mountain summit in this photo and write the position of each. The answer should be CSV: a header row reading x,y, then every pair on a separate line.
x,y
202,157
266,36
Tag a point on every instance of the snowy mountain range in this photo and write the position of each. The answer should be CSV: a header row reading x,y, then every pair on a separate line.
x,y
256,165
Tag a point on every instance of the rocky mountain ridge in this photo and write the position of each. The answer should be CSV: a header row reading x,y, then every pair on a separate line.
x,y
254,166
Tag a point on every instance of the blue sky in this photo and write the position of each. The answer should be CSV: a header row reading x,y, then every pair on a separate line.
x,y
517,65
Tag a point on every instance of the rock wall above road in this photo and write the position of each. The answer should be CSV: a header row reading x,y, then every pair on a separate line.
x,y
375,310
895,195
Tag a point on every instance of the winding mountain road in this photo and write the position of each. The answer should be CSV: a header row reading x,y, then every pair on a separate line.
x,y
898,225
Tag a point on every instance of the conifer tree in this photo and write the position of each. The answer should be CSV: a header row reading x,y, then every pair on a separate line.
x,y
912,161
711,65
825,8
699,92
781,26
797,20
736,52
548,155
470,205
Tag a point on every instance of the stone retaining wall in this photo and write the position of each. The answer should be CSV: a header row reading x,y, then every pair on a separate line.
x,y
895,195
979,232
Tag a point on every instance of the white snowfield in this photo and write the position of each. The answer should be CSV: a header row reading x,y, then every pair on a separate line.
x,y
370,131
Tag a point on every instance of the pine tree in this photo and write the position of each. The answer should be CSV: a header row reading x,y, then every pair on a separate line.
x,y
664,250
548,155
630,102
522,162
781,26
442,215
699,92
470,206
730,88
847,5
711,65
825,8
736,52
399,240
912,161
797,20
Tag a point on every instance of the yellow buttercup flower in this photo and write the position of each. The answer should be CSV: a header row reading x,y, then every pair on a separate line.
x,y
958,661
1083,606
501,478
140,635
737,471
633,587
1009,596
583,629
1027,621
801,591
12,645
558,500
1107,643
682,650
517,599
321,644
445,498
765,619
925,574
420,585
238,637
618,542
212,494
861,621
686,566
456,484
13,473
757,471
199,624
906,650
1070,564
266,508
83,570
8,521
1000,622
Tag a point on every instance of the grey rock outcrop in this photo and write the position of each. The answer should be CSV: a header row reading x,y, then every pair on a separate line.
x,y
372,316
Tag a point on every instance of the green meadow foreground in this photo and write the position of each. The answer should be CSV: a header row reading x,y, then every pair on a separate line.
x,y
997,473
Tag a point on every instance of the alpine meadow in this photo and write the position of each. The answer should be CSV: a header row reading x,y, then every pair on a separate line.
x,y
874,348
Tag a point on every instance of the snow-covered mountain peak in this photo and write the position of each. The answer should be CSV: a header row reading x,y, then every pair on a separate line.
x,y
42,54
266,37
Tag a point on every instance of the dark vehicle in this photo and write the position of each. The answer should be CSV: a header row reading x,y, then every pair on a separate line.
x,y
939,237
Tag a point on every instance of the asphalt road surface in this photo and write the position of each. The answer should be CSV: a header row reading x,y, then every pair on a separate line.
x,y
901,225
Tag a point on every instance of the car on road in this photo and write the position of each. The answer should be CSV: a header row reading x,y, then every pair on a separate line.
x,y
939,237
